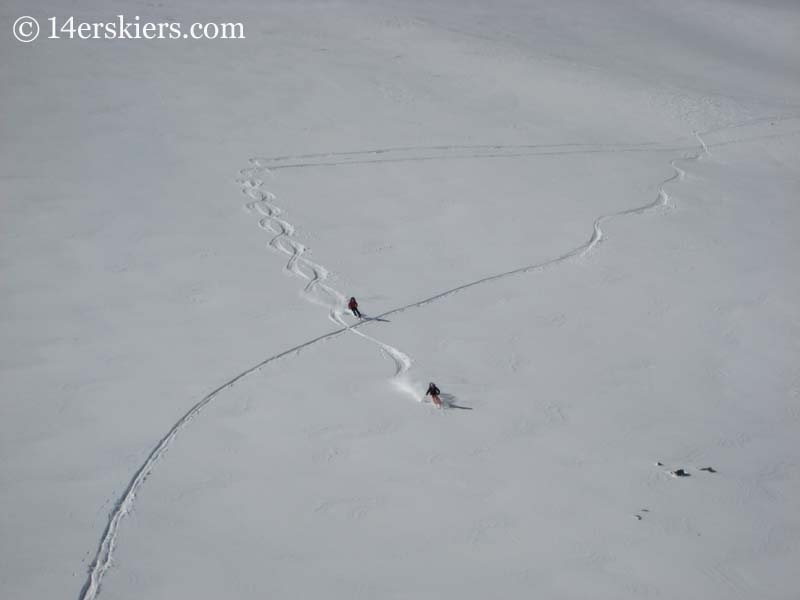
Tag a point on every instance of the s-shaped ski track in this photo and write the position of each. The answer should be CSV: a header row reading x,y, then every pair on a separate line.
x,y
283,232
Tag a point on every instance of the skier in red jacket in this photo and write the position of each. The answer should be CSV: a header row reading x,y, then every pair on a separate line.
x,y
353,306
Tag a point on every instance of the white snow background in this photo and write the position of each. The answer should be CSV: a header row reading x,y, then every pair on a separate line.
x,y
578,218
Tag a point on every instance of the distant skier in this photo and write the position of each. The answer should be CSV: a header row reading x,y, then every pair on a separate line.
x,y
434,393
353,306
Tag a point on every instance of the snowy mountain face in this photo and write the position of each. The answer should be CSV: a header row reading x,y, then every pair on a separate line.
x,y
578,219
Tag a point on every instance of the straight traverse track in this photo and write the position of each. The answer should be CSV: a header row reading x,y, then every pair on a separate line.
x,y
315,290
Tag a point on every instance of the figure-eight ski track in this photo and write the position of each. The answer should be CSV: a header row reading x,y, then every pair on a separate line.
x,y
315,275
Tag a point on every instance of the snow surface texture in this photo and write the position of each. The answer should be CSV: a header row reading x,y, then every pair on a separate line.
x,y
635,403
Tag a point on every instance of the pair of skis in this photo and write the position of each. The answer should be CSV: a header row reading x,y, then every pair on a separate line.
x,y
443,404
364,317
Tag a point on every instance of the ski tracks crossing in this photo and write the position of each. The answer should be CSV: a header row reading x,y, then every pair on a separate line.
x,y
318,291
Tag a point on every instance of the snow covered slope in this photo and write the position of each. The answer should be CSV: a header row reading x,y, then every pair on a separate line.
x,y
578,218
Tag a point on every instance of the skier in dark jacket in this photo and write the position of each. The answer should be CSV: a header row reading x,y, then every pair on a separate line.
x,y
434,393
353,306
